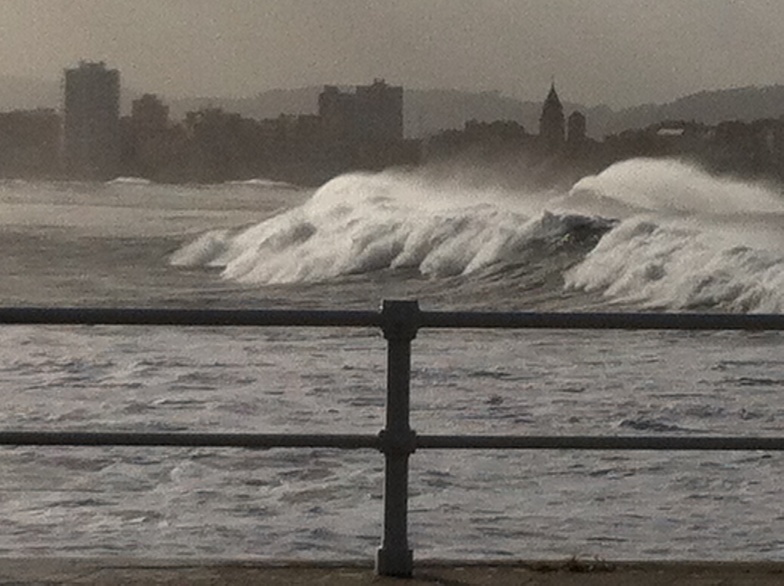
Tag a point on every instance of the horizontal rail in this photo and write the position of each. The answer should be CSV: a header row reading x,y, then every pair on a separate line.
x,y
420,319
187,440
186,317
479,442
602,321
360,441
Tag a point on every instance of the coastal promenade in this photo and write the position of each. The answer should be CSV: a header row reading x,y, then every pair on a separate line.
x,y
582,572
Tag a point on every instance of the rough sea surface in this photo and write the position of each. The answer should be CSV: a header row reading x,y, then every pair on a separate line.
x,y
643,235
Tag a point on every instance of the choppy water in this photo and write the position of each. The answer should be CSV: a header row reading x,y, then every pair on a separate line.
x,y
643,235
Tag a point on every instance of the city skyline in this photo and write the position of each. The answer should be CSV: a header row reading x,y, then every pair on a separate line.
x,y
614,52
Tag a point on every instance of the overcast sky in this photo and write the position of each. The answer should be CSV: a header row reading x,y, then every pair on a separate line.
x,y
619,52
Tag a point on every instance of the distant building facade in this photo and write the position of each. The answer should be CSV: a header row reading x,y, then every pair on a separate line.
x,y
480,141
371,113
29,143
357,128
149,141
149,116
576,130
380,111
91,132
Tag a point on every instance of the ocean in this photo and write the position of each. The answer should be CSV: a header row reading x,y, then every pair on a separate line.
x,y
644,235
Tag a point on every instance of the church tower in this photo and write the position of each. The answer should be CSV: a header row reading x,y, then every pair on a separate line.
x,y
551,123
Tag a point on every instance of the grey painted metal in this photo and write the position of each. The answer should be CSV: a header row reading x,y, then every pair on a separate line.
x,y
406,442
602,321
187,317
179,439
679,443
419,319
394,557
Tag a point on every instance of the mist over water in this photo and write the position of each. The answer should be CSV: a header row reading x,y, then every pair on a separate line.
x,y
656,234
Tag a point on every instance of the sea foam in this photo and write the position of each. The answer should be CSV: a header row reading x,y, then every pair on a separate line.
x,y
695,242
662,234
360,223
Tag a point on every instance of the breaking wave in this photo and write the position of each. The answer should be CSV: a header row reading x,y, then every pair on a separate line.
x,y
696,242
654,234
362,223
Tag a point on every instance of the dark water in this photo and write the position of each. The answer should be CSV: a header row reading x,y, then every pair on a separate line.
x,y
351,247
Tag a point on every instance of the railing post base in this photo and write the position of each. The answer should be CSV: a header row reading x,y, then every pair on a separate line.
x,y
395,563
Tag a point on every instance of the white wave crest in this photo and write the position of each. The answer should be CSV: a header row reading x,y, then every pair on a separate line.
x,y
666,185
685,239
263,183
360,223
723,248
129,181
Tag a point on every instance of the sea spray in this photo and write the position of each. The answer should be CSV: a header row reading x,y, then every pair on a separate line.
x,y
361,223
656,234
204,250
668,185
696,242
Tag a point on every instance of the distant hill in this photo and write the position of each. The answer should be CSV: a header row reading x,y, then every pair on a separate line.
x,y
427,111
709,107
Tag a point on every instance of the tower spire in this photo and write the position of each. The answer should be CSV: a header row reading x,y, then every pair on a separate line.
x,y
551,123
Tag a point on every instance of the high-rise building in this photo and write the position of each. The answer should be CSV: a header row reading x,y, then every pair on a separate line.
x,y
371,113
149,116
551,124
380,111
336,109
91,137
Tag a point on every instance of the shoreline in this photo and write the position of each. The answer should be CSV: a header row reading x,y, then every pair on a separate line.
x,y
216,572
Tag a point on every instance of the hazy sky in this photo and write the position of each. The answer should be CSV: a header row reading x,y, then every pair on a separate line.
x,y
620,52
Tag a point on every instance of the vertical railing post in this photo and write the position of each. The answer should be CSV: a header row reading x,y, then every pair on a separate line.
x,y
400,321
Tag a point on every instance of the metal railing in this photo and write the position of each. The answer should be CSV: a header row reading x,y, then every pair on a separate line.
x,y
399,322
